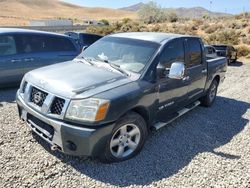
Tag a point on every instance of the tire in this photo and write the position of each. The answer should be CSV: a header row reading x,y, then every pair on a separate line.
x,y
127,139
211,94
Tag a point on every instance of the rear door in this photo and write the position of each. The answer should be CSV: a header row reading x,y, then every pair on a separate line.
x,y
40,50
32,48
196,67
172,92
11,63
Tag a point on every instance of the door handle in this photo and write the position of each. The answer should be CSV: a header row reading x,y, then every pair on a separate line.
x,y
186,78
204,71
29,59
15,60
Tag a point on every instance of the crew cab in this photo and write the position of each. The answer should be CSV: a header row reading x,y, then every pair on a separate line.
x,y
106,101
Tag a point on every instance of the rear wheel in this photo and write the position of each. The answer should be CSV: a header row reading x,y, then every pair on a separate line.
x,y
127,139
210,97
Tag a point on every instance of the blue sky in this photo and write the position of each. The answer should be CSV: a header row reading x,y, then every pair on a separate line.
x,y
229,6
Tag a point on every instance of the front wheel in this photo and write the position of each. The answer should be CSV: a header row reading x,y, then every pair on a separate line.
x,y
209,98
127,139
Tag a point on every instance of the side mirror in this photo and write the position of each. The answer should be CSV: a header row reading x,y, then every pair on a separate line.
x,y
84,48
177,71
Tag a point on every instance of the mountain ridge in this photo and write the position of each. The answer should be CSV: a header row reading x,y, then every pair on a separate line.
x,y
194,12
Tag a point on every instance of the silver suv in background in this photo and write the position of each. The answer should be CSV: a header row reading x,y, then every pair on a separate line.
x,y
24,50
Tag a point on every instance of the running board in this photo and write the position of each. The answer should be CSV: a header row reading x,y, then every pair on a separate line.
x,y
183,111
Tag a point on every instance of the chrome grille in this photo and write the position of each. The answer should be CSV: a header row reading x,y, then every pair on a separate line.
x,y
57,106
37,96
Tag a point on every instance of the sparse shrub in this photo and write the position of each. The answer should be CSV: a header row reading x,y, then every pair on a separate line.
x,y
235,25
198,22
152,13
224,37
156,28
213,28
206,17
244,24
104,21
126,20
205,26
104,30
248,30
172,17
229,37
246,39
243,50
131,27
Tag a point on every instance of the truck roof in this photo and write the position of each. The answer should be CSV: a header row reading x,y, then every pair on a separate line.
x,y
148,36
28,31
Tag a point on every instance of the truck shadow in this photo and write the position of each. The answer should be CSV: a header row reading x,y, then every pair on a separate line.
x,y
170,149
236,64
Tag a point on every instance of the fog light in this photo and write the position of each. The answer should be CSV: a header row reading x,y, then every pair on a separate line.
x,y
71,146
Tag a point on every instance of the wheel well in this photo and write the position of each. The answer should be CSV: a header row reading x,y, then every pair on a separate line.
x,y
142,112
217,78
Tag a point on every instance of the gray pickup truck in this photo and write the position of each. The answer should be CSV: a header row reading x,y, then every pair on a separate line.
x,y
105,102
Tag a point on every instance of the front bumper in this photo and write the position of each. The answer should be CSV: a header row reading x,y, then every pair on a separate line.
x,y
69,139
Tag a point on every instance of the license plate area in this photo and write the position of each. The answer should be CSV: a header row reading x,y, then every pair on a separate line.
x,y
44,129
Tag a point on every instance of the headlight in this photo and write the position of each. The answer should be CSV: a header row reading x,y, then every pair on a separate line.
x,y
87,109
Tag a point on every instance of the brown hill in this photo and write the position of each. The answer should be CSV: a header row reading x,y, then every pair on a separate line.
x,y
20,12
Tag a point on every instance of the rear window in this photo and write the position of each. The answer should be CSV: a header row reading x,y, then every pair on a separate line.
x,y
89,39
43,43
7,46
194,52
209,50
220,47
59,44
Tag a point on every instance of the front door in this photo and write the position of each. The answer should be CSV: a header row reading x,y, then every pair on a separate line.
x,y
11,64
171,92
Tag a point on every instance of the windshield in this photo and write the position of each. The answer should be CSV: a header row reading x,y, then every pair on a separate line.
x,y
129,54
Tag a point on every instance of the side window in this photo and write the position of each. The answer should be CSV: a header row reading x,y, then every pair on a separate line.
x,y
173,52
7,45
33,43
30,43
56,44
194,52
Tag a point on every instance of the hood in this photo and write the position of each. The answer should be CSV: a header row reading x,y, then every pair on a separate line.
x,y
72,79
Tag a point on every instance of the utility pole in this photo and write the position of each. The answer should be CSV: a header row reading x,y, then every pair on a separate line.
x,y
211,3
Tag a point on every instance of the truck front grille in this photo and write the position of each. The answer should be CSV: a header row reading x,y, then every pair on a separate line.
x,y
57,106
45,102
37,96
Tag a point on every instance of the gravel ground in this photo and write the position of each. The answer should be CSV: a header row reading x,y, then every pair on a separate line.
x,y
208,147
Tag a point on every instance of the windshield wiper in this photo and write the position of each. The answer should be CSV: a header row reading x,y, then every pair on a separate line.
x,y
117,67
114,66
88,60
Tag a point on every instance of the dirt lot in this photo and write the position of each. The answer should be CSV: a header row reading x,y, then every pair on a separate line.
x,y
208,147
